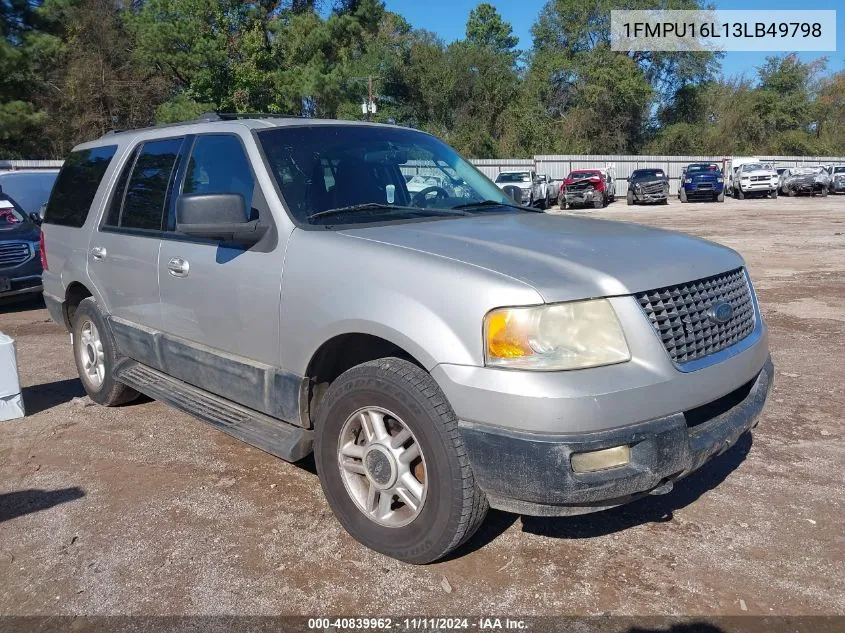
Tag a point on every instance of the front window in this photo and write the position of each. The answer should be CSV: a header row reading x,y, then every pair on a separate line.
x,y
839,170
699,169
348,174
513,177
580,175
648,173
754,167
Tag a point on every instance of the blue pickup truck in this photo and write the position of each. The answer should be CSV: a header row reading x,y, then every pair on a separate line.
x,y
702,181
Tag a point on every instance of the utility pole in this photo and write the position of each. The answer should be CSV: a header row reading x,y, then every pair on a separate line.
x,y
370,96
368,108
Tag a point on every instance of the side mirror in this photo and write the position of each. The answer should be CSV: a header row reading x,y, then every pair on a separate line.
x,y
217,216
35,217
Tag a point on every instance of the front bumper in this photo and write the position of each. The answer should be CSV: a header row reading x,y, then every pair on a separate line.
x,y
758,186
531,473
22,279
703,190
650,197
581,197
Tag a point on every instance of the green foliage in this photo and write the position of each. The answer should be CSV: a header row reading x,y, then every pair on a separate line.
x,y
72,69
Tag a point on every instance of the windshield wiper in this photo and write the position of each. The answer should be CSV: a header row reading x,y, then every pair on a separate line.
x,y
379,206
494,203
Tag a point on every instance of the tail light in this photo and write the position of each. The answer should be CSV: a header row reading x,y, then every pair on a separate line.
x,y
42,249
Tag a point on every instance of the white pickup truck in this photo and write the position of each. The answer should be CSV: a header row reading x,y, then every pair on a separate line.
x,y
533,191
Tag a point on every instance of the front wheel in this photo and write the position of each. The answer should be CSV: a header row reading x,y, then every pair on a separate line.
x,y
720,197
774,194
95,353
630,198
392,463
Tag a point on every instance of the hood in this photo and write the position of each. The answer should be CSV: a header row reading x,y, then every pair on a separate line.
x,y
521,185
563,257
758,172
20,231
648,180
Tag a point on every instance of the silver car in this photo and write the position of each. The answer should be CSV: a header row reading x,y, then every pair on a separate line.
x,y
440,354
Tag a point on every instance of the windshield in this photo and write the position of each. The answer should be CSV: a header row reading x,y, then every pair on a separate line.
x,y
350,174
839,170
29,190
692,169
578,175
754,167
513,177
647,173
8,213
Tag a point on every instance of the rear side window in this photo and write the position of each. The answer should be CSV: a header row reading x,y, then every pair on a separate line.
x,y
144,191
77,185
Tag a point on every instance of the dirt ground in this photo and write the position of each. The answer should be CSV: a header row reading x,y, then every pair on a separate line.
x,y
143,510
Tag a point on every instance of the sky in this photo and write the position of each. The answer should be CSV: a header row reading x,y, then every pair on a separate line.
x,y
447,18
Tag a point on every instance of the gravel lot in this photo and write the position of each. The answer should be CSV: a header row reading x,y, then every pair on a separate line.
x,y
144,510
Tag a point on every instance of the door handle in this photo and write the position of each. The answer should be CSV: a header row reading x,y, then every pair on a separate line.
x,y
98,253
178,267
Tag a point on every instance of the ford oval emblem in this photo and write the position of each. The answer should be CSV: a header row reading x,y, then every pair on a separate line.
x,y
720,312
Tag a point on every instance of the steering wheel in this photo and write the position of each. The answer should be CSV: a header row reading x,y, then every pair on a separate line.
x,y
420,197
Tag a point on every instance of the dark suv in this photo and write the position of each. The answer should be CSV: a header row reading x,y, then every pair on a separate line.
x,y
20,260
648,185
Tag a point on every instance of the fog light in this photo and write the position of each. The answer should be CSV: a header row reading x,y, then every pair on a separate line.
x,y
601,460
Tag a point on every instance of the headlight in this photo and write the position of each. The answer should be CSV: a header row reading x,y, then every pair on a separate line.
x,y
562,336
744,178
36,246
688,181
720,180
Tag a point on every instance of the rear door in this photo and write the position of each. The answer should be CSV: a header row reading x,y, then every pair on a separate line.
x,y
123,252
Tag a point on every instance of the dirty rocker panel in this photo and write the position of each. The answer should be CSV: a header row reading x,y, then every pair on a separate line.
x,y
267,389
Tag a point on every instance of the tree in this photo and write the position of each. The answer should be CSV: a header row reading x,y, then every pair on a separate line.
x,y
485,28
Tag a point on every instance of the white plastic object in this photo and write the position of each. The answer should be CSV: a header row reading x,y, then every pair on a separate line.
x,y
11,400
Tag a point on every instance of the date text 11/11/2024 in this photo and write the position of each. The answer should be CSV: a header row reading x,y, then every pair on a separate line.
x,y
710,30
417,624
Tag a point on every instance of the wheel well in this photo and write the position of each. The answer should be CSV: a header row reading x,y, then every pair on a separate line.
x,y
74,295
339,354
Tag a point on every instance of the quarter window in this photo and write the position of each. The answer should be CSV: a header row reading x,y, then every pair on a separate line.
x,y
77,185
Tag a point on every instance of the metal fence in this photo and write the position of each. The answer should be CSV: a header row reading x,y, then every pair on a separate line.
x,y
557,166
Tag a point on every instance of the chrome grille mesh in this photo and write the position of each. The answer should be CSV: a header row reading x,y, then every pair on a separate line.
x,y
679,315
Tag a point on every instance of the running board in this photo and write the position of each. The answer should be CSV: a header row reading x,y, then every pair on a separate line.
x,y
276,437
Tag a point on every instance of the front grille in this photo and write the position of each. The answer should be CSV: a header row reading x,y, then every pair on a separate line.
x,y
704,185
653,187
759,178
679,315
14,253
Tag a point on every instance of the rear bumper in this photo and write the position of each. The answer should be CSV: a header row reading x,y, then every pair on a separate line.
x,y
531,473
55,307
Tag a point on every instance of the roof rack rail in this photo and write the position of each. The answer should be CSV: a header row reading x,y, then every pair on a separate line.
x,y
209,117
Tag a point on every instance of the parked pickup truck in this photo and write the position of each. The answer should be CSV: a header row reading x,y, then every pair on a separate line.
x,y
529,183
587,188
755,179
702,181
440,353
551,189
648,185
837,179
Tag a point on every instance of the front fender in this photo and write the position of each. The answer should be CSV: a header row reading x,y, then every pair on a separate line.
x,y
430,306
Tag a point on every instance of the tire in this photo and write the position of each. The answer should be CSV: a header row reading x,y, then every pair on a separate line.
x,y
720,197
664,201
791,193
453,506
630,198
774,194
682,195
95,354
824,193
599,204
740,195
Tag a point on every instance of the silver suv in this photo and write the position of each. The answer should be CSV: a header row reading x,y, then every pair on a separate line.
x,y
440,351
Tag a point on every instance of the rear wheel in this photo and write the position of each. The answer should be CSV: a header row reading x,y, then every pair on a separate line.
x,y
392,463
95,354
